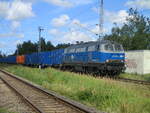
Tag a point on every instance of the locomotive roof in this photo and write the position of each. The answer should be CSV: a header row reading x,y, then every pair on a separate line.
x,y
90,44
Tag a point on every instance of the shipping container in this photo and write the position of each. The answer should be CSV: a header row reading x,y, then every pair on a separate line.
x,y
32,59
138,62
51,58
10,60
20,59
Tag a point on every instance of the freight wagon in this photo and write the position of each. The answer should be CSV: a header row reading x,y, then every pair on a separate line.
x,y
9,60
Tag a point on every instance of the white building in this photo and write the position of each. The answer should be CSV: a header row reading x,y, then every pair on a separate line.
x,y
138,62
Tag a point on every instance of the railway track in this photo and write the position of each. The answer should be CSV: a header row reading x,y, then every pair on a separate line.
x,y
43,101
133,81
10,101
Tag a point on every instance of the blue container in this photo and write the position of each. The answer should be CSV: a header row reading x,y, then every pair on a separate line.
x,y
32,59
10,60
52,57
44,58
2,60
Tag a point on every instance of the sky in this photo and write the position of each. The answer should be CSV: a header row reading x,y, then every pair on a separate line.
x,y
63,21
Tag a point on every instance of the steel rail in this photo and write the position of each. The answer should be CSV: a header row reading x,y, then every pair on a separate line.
x,y
23,97
133,81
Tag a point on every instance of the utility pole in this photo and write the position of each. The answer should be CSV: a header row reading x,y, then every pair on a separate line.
x,y
39,46
101,19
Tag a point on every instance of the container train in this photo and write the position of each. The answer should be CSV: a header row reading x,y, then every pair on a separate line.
x,y
99,57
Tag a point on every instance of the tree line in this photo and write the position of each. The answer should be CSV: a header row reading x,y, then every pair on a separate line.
x,y
135,32
28,47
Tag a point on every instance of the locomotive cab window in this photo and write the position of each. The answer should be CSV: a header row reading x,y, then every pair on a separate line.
x,y
118,47
109,47
71,50
81,49
91,48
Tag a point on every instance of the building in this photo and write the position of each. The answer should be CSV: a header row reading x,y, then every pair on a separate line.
x,y
138,62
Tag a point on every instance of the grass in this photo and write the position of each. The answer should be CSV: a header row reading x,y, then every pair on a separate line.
x,y
145,77
5,111
103,94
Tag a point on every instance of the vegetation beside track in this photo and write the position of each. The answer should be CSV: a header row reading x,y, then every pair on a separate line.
x,y
4,111
104,94
145,77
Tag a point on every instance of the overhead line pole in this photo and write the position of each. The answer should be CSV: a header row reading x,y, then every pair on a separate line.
x,y
39,46
101,19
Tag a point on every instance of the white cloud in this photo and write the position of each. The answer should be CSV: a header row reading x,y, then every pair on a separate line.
x,y
77,30
97,31
95,9
18,42
12,34
19,10
15,24
61,21
142,4
72,37
30,1
78,23
62,3
82,2
116,17
65,20
54,31
68,3
16,10
2,44
4,7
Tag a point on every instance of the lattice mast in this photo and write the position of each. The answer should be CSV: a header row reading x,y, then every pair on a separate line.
x,y
101,19
39,45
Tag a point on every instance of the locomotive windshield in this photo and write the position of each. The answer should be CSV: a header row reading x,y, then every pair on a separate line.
x,y
109,47
113,47
118,47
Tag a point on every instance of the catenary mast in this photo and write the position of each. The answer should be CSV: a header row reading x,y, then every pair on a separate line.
x,y
39,46
101,19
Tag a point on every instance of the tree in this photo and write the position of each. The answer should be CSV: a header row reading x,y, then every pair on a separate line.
x,y
49,46
30,47
26,48
62,46
134,34
2,55
46,46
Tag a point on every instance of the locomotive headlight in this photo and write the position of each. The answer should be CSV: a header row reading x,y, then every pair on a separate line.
x,y
122,61
107,61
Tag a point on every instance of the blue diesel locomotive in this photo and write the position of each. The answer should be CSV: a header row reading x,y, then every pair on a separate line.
x,y
104,57
95,57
